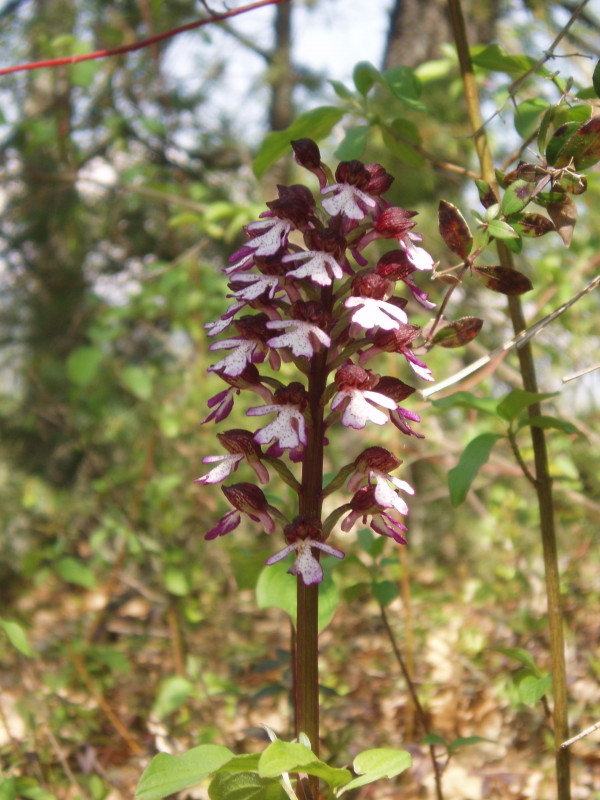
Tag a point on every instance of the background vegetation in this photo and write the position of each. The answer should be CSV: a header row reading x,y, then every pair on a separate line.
x,y
124,190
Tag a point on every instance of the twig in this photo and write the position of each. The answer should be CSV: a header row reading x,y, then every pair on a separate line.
x,y
581,735
546,56
549,53
418,707
516,341
141,43
579,374
81,670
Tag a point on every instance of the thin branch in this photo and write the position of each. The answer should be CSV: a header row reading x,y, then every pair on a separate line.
x,y
418,707
141,43
581,735
549,53
517,341
580,373
546,56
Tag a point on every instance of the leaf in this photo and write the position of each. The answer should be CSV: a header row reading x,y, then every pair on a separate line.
x,y
495,58
564,217
247,762
501,230
373,545
400,150
405,86
532,689
17,637
30,789
546,422
83,73
517,196
245,786
468,400
364,76
522,656
486,194
167,774
573,184
463,741
434,738
176,581
558,140
280,757
73,570
316,124
276,588
596,79
532,225
454,230
82,365
342,91
353,144
385,592
172,694
583,148
378,763
138,380
505,280
514,402
459,332
474,456
527,115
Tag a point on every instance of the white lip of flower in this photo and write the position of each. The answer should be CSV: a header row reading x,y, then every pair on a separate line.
x,y
343,201
222,470
358,410
259,284
373,313
305,564
283,429
315,267
273,239
418,257
386,496
235,362
298,339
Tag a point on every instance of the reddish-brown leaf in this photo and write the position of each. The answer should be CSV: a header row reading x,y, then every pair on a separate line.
x,y
486,194
574,184
564,216
583,148
459,332
454,230
559,140
533,225
503,279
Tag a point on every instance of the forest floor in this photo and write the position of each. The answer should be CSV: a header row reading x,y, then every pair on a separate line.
x,y
122,674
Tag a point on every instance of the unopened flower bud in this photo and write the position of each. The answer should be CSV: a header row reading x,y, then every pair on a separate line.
x,y
394,222
395,265
377,458
380,180
306,153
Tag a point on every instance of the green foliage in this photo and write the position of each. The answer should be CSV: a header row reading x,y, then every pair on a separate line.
x,y
253,776
276,588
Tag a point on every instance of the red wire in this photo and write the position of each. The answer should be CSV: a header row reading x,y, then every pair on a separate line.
x,y
130,48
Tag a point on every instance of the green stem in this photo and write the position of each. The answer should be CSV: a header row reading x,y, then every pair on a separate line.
x,y
543,484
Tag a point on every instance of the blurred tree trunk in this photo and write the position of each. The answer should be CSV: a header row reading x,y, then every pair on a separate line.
x,y
419,27
282,80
